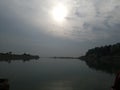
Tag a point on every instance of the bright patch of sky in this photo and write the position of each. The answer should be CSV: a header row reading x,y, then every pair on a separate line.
x,y
26,24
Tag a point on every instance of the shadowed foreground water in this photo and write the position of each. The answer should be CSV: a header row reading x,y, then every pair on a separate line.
x,y
54,74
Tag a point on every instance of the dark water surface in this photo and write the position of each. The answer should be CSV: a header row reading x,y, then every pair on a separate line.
x,y
54,74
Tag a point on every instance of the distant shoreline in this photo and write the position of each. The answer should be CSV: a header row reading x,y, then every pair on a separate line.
x,y
64,57
11,56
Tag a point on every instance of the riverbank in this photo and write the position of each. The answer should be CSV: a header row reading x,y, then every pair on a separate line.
x,y
11,56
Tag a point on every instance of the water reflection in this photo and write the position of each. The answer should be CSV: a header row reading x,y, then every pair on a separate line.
x,y
111,66
12,60
108,67
57,85
54,74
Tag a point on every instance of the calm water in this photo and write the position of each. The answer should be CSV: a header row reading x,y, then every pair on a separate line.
x,y
54,74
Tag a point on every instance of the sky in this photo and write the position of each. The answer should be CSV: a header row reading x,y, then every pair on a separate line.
x,y
58,27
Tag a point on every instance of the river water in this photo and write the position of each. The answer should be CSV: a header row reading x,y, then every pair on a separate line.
x,y
54,74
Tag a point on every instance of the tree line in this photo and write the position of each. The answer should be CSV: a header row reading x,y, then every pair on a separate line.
x,y
108,50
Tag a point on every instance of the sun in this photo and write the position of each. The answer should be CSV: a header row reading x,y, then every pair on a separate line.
x,y
59,13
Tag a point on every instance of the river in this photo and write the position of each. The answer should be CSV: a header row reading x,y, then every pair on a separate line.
x,y
54,74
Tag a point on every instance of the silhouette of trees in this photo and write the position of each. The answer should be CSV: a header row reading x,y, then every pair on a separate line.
x,y
10,56
108,50
105,58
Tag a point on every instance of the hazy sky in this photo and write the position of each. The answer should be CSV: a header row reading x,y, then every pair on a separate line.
x,y
58,27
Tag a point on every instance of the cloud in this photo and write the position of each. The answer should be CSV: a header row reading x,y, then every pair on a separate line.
x,y
99,19
26,24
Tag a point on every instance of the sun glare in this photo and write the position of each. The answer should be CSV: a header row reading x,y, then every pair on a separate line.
x,y
59,12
